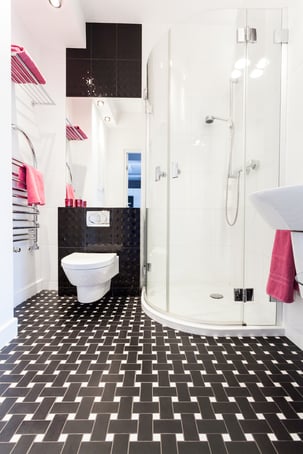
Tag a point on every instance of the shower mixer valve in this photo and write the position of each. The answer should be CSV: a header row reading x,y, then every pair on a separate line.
x,y
251,165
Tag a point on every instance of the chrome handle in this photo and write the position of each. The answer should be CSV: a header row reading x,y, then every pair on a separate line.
x,y
175,171
159,173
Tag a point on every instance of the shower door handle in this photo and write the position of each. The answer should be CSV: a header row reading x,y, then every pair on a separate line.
x,y
159,173
175,171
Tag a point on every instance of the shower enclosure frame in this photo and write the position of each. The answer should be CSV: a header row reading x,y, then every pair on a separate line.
x,y
167,172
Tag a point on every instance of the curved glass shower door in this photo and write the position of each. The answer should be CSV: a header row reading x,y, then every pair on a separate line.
x,y
157,205
205,253
216,140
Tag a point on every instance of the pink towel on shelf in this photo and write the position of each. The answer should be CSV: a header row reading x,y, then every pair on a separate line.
x,y
35,186
70,193
75,133
281,281
26,72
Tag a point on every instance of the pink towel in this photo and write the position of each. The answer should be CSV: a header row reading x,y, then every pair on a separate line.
x,y
35,186
24,74
70,193
281,280
75,133
21,178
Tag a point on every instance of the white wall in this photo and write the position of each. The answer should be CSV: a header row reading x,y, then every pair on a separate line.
x,y
293,313
45,125
8,325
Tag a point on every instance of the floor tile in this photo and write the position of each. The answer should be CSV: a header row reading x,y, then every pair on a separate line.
x,y
105,378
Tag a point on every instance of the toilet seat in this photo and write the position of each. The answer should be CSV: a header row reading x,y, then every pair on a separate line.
x,y
88,260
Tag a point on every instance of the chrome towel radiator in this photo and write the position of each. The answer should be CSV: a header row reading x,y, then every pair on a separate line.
x,y
25,217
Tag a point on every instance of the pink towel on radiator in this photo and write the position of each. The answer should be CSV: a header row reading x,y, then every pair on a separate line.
x,y
21,74
70,193
35,186
281,281
21,178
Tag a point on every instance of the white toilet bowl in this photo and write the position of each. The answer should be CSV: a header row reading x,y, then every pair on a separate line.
x,y
91,273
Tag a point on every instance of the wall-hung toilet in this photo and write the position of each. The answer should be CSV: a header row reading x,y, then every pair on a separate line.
x,y
91,273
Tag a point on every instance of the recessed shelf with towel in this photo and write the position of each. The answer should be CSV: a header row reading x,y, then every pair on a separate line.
x,y
74,132
26,74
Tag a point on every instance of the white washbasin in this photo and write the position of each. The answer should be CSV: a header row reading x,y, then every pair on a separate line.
x,y
281,208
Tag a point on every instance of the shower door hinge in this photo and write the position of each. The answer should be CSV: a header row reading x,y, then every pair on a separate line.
x,y
281,36
243,294
246,35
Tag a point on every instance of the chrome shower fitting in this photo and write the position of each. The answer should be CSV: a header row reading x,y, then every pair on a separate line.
x,y
209,119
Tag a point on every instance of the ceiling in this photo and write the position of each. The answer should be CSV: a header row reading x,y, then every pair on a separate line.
x,y
64,26
160,11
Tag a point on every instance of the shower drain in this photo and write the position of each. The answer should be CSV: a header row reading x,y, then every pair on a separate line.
x,y
216,296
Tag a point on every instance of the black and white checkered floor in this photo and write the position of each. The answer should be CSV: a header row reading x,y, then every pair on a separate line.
x,y
104,378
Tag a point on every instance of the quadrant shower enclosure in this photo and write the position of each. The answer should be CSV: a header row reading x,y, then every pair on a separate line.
x,y
214,89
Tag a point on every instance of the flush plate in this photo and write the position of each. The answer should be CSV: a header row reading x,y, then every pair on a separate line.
x,y
98,218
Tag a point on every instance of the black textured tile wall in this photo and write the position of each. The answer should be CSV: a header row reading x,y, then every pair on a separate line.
x,y
110,66
121,237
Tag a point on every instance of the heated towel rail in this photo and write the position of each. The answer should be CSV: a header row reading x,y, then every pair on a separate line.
x,y
25,217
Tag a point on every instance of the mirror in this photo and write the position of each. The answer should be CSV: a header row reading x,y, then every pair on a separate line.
x,y
105,169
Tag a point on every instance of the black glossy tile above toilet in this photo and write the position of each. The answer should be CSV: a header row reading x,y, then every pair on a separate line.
x,y
71,223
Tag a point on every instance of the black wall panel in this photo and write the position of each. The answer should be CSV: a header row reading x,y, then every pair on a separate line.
x,y
110,66
122,237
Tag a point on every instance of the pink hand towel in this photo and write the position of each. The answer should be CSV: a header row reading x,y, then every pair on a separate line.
x,y
281,281
35,186
21,74
70,193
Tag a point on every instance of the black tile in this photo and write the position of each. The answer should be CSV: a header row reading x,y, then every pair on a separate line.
x,y
167,426
104,77
216,444
95,447
5,448
288,447
277,427
88,375
78,79
120,444
55,428
129,41
240,447
72,444
123,426
168,444
100,428
233,427
129,79
145,428
10,427
193,447
103,40
146,447
264,444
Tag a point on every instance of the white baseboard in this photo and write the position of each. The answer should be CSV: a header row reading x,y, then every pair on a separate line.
x,y
8,331
28,291
295,336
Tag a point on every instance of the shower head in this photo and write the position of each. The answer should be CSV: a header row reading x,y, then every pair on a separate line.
x,y
209,119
